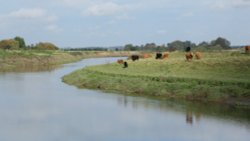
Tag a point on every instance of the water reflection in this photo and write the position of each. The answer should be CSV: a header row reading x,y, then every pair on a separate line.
x,y
189,117
194,111
33,68
38,106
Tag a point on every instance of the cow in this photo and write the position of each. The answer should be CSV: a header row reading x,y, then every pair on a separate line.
x,y
125,64
247,49
135,57
165,55
120,61
188,49
189,56
147,55
158,55
197,55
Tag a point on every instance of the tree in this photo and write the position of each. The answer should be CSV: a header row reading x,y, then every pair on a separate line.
x,y
224,43
175,45
189,44
9,44
150,46
161,48
45,46
180,45
203,44
21,42
130,47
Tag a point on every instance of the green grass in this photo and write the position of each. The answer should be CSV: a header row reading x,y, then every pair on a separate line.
x,y
15,60
218,76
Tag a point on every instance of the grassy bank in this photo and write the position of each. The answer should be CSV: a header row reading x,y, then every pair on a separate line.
x,y
16,60
218,77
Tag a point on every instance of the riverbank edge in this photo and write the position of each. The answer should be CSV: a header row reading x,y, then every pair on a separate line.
x,y
14,62
128,85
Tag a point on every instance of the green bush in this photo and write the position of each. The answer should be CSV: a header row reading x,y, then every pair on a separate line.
x,y
45,46
9,44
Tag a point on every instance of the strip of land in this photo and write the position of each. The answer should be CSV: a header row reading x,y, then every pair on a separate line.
x,y
32,60
221,77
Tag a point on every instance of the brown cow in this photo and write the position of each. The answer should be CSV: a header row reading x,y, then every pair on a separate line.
x,y
165,55
197,55
189,56
147,55
247,49
120,61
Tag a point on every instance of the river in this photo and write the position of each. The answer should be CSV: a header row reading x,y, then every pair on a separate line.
x,y
38,106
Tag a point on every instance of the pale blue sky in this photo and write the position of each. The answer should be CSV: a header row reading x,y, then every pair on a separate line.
x,y
81,23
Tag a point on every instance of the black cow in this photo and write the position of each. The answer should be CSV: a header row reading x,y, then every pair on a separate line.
x,y
135,57
158,55
125,64
188,49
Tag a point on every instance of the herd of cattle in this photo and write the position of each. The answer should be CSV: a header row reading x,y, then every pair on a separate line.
x,y
189,56
158,55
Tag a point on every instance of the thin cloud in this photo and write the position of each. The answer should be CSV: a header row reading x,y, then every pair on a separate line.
x,y
74,3
32,14
161,32
241,3
225,4
105,9
28,13
188,14
29,18
53,28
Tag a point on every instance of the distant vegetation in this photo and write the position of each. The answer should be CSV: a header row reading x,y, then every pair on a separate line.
x,y
19,43
218,44
87,49
45,46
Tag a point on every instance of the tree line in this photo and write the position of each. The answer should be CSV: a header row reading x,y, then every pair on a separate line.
x,y
19,43
86,49
217,44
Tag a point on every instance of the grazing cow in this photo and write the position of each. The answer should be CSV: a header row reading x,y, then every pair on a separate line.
x,y
189,56
125,64
135,57
120,61
197,55
247,49
188,49
158,55
147,55
165,55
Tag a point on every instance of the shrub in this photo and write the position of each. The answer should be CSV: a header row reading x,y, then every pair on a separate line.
x,y
45,46
9,44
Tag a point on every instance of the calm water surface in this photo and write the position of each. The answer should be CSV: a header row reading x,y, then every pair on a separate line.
x,y
37,106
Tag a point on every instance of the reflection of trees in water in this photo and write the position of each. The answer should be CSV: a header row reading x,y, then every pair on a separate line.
x,y
34,68
192,111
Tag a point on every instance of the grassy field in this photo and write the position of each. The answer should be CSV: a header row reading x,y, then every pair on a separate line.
x,y
218,77
22,60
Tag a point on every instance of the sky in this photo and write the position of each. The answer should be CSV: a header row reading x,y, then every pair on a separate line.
x,y
85,23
